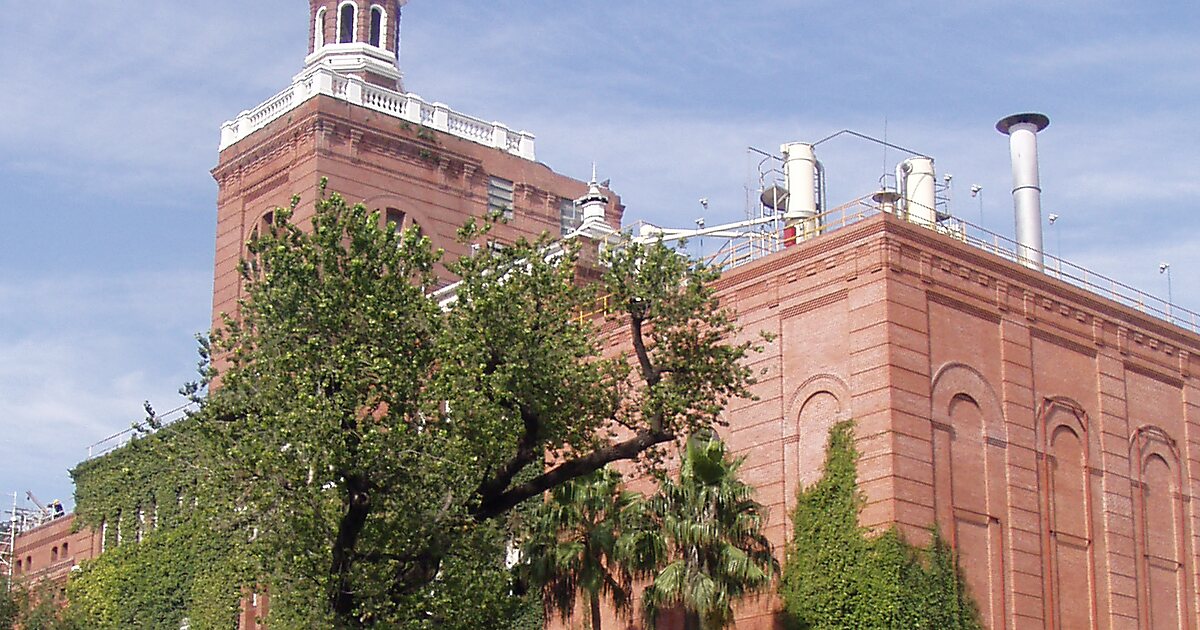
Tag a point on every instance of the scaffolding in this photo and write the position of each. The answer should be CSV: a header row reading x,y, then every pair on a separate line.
x,y
18,520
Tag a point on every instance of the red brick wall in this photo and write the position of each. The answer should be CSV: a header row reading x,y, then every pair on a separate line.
x,y
391,9
54,550
1052,435
438,180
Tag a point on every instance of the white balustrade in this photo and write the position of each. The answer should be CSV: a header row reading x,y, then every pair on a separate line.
x,y
409,107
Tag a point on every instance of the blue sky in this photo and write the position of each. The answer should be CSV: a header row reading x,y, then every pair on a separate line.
x,y
109,122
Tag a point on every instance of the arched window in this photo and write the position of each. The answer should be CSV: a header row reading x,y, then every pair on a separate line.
x,y
64,550
319,30
377,26
347,22
19,565
394,217
54,555
262,227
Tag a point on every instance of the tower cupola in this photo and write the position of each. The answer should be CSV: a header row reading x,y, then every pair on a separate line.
x,y
594,203
357,37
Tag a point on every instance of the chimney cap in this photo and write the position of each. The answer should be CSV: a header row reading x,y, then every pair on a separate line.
x,y
1041,121
886,196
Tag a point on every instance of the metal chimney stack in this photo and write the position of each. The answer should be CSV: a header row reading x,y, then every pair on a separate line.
x,y
1022,130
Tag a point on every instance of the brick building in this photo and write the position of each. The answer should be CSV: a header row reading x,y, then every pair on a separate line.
x,y
51,550
1052,433
1051,429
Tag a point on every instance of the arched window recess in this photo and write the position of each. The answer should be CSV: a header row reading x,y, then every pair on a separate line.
x,y
347,22
378,26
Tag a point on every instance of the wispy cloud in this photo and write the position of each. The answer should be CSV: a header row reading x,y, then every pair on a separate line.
x,y
78,356
133,99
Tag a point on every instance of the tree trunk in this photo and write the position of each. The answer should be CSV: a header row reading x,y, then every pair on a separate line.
x,y
349,528
595,597
691,620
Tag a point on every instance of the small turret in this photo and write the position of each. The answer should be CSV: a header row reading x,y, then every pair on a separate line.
x,y
594,204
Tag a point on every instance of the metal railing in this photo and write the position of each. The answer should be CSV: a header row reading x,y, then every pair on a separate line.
x,y
740,251
121,438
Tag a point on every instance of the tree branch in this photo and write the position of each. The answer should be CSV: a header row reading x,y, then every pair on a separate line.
x,y
649,372
525,455
494,505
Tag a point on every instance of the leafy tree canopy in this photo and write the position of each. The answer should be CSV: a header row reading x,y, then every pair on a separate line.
x,y
367,447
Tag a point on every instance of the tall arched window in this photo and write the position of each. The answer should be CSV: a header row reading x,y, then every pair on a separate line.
x,y
319,29
377,25
347,22
1067,526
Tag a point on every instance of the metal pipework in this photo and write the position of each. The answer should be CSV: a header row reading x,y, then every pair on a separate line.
x,y
1022,130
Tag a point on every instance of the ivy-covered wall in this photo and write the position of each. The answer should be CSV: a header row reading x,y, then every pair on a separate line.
x,y
161,562
836,576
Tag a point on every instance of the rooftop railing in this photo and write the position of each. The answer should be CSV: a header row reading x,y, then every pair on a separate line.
x,y
121,438
406,107
740,251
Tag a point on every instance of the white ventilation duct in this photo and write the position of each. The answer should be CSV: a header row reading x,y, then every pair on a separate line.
x,y
800,169
919,184
1022,132
800,173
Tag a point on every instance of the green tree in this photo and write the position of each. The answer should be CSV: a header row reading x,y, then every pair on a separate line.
x,y
371,440
836,576
9,606
574,544
712,551
34,606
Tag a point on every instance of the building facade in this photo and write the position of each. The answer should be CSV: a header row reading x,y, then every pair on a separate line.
x,y
1050,431
1052,434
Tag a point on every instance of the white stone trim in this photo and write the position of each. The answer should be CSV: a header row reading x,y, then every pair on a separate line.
x,y
319,29
322,78
355,57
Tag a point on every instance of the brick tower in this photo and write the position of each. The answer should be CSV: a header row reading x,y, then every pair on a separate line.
x,y
346,117
357,38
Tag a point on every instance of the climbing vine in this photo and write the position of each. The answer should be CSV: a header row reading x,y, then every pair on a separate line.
x,y
836,576
162,561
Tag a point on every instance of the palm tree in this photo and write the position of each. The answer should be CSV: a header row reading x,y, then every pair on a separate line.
x,y
574,542
713,551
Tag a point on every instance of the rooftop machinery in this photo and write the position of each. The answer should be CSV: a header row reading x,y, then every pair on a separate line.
x,y
792,204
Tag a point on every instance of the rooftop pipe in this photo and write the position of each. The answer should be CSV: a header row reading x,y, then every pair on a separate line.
x,y
1022,130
